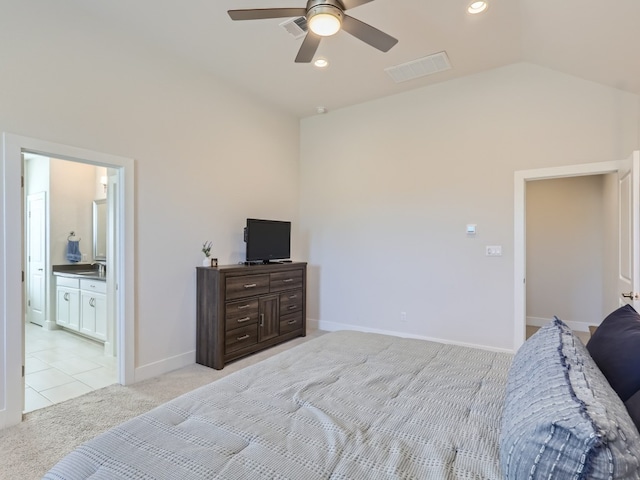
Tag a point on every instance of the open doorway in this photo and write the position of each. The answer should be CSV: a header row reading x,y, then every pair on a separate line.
x,y
627,234
70,341
571,253
12,248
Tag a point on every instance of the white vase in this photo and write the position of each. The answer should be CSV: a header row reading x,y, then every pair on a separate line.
x,y
206,262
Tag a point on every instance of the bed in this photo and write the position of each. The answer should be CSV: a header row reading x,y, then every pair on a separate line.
x,y
353,405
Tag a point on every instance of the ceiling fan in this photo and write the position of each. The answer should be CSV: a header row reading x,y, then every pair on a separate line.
x,y
324,18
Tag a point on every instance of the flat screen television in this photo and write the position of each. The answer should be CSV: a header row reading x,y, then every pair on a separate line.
x,y
267,240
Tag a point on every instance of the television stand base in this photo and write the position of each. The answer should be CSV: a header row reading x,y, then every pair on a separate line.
x,y
267,262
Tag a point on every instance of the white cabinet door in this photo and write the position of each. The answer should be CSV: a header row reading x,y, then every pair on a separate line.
x,y
93,318
88,314
100,308
68,307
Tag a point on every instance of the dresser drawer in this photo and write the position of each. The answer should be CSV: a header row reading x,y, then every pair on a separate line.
x,y
286,280
291,322
246,286
290,302
242,313
241,337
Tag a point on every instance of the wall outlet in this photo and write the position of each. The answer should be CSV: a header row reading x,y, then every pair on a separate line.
x,y
403,317
493,250
84,257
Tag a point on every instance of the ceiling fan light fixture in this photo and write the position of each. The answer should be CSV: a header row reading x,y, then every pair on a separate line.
x,y
477,7
324,20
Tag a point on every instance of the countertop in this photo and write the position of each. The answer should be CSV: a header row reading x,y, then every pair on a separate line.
x,y
79,270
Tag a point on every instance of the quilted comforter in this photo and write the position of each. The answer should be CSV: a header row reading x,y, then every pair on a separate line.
x,y
347,405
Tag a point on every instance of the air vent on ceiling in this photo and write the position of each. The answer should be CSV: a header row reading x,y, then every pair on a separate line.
x,y
297,27
429,65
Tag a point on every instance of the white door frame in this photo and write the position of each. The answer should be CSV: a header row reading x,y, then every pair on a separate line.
x,y
521,178
11,253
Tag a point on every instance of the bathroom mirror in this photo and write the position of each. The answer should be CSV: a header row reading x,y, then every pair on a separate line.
x,y
100,229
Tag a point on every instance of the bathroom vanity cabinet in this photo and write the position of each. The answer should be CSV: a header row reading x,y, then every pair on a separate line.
x,y
93,308
244,309
68,303
81,305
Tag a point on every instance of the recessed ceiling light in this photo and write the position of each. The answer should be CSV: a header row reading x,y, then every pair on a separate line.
x,y
477,7
321,63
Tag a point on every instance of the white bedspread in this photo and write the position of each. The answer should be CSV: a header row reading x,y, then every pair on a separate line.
x,y
347,405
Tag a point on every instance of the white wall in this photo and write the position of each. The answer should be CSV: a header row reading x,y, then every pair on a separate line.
x,y
566,255
71,208
611,245
387,188
206,156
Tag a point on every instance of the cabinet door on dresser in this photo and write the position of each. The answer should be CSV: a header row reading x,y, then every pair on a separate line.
x,y
269,318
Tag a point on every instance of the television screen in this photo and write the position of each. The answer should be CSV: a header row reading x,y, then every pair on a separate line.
x,y
268,240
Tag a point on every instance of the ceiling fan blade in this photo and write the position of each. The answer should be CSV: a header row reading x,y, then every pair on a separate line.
x,y
260,13
354,3
308,48
368,34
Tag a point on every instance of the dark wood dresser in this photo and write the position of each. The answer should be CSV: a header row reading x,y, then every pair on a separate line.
x,y
242,309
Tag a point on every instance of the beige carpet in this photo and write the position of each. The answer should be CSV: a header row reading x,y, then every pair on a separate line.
x,y
30,449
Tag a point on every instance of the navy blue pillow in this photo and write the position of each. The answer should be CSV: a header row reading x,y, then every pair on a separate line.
x,y
615,347
633,407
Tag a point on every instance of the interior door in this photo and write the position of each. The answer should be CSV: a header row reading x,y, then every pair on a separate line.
x,y
36,278
629,232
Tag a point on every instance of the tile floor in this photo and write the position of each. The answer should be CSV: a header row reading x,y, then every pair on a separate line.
x,y
60,365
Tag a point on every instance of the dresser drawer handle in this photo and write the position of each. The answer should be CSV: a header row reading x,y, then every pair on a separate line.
x,y
292,307
251,285
287,280
291,322
244,337
242,307
245,319
293,296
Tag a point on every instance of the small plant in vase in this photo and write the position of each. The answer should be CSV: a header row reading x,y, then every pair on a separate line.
x,y
206,249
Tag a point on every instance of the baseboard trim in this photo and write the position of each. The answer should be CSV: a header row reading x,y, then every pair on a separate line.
x,y
163,366
3,418
541,322
335,326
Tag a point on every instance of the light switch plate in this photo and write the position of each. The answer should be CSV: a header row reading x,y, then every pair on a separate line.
x,y
493,250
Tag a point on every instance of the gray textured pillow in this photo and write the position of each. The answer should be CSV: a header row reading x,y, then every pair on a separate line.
x,y
561,417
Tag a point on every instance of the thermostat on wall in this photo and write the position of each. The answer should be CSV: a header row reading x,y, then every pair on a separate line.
x,y
471,229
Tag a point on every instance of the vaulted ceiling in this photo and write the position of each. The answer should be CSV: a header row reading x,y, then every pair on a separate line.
x,y
595,40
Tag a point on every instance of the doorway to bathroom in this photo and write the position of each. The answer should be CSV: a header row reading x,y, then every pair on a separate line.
x,y
119,284
70,343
